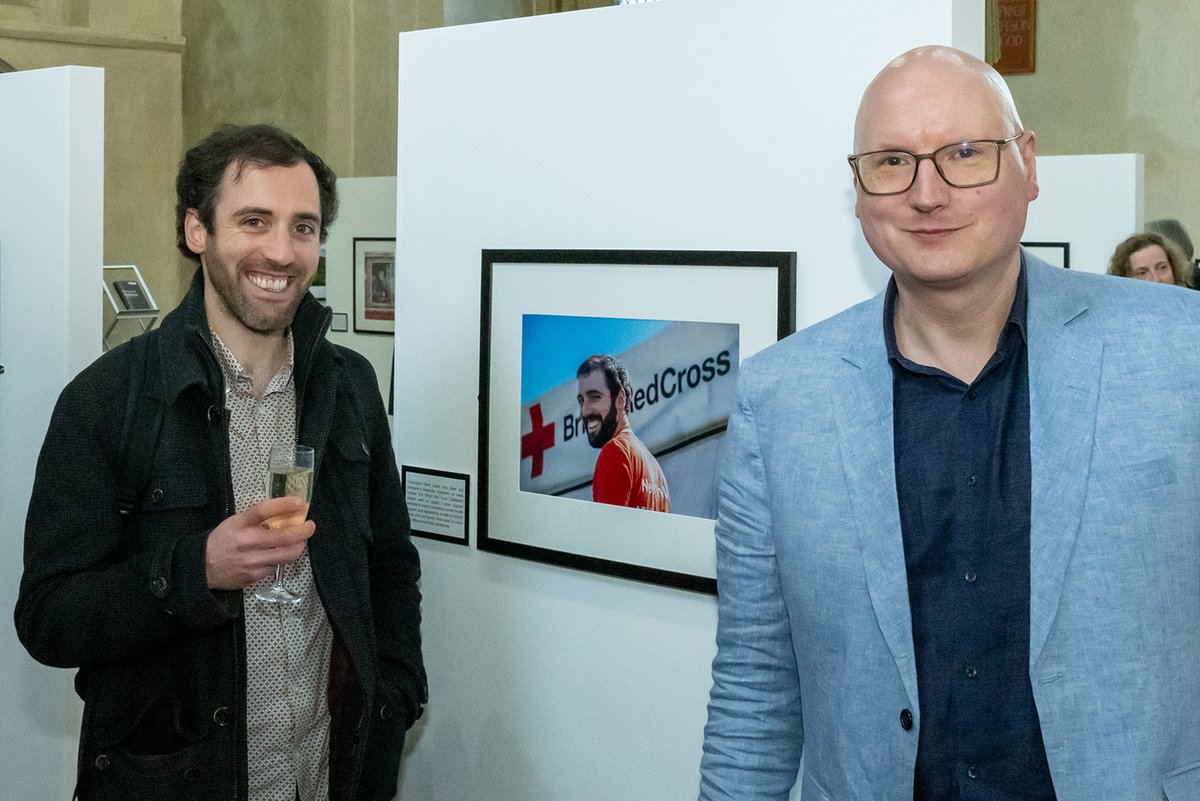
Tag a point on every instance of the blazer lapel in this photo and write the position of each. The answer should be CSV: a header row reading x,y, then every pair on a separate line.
x,y
864,420
1065,358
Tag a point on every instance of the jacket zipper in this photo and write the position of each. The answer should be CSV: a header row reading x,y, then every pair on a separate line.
x,y
239,650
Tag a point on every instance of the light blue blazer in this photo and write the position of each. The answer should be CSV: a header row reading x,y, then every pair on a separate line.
x,y
814,639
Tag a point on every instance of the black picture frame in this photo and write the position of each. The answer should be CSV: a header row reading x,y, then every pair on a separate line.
x,y
1055,253
375,285
754,289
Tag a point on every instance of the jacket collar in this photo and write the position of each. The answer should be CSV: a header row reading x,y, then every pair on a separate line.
x,y
1066,356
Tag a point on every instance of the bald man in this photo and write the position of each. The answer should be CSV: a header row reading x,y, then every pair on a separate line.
x,y
958,539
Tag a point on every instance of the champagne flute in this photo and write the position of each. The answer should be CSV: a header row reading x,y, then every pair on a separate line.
x,y
289,472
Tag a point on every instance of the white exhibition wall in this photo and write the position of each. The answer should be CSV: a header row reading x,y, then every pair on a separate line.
x,y
51,235
682,124
366,209
1091,202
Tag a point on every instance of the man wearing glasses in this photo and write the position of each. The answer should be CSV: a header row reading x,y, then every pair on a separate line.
x,y
958,540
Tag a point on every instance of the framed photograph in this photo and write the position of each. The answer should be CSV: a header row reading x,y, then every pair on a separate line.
x,y
375,285
318,288
1055,253
606,382
438,503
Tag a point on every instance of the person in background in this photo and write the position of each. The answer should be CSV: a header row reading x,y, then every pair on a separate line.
x,y
1151,257
1174,230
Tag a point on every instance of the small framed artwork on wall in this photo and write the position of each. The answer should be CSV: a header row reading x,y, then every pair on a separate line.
x,y
375,285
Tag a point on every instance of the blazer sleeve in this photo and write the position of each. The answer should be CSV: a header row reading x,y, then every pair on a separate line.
x,y
754,737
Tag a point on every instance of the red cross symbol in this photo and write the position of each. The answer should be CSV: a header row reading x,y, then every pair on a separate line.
x,y
535,444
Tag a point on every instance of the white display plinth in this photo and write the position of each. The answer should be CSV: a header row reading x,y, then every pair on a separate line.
x,y
51,235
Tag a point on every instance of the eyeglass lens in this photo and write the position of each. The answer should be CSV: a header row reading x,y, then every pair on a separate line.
x,y
962,165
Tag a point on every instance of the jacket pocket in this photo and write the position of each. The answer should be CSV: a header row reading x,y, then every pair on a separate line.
x,y
812,789
155,755
385,745
349,473
174,502
1183,784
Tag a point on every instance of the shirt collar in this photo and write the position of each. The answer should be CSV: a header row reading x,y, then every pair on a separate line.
x,y
1016,315
235,376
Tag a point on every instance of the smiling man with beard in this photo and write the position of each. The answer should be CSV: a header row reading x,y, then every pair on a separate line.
x,y
193,686
626,473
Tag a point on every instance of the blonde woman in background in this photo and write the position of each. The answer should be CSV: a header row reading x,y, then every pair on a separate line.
x,y
1150,257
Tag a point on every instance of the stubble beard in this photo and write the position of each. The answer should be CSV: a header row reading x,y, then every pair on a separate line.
x,y
224,282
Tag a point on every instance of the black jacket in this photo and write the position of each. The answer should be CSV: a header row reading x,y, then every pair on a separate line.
x,y
161,657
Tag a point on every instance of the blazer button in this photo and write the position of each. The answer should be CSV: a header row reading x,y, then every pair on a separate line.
x,y
191,774
156,495
386,712
102,762
905,719
214,414
159,587
221,716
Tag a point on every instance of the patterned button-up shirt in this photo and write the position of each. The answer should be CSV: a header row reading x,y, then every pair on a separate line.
x,y
287,647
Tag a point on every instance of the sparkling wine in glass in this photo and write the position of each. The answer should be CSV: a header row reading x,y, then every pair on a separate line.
x,y
289,472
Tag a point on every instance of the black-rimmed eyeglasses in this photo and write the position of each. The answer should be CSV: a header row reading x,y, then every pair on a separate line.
x,y
962,165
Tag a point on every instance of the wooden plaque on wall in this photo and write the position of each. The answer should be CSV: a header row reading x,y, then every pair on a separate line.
x,y
1018,36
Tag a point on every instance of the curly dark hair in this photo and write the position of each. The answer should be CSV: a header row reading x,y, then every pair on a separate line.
x,y
615,375
204,165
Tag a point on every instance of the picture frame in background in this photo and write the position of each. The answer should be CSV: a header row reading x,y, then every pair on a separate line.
x,y
681,322
1055,253
375,285
318,288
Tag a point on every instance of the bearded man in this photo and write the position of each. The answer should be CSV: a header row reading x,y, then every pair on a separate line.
x,y
626,473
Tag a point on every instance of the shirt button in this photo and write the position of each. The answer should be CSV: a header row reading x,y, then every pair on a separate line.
x,y
972,772
972,481
969,577
906,721
971,671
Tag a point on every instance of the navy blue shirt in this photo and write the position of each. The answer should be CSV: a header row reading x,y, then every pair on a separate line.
x,y
963,485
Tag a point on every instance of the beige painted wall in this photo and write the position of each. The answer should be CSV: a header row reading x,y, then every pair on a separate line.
x,y
1119,78
1123,80
138,44
325,70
